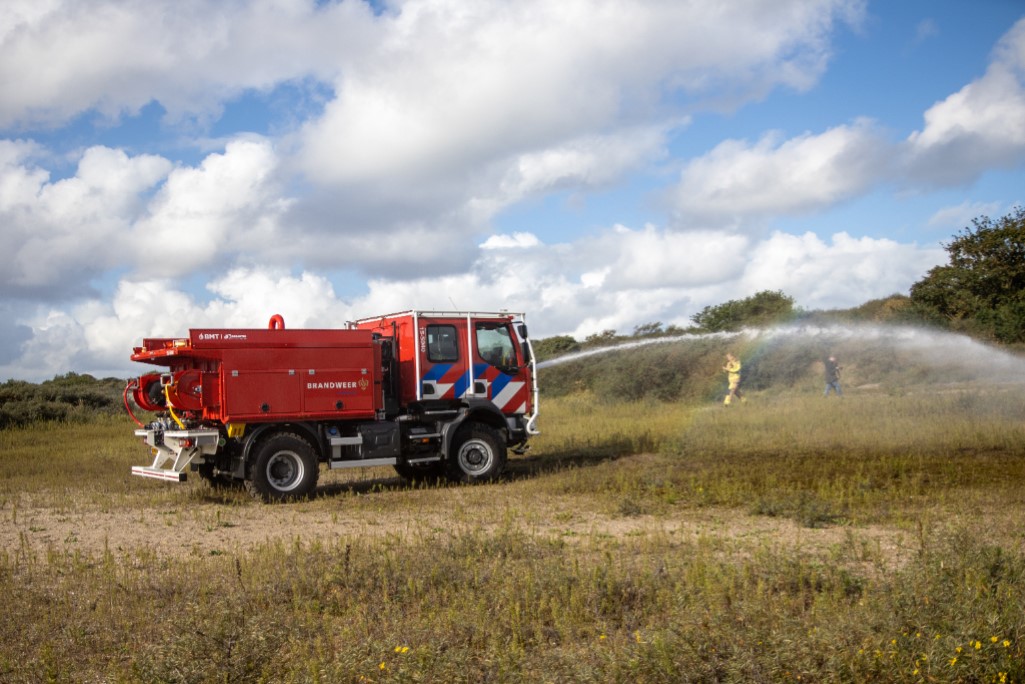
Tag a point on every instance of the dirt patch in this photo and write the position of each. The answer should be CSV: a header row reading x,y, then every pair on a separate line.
x,y
213,528
203,529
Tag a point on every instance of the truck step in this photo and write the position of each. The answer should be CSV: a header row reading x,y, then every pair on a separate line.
x,y
346,441
421,461
363,463
416,436
159,473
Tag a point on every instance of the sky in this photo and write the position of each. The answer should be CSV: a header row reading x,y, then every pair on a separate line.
x,y
597,164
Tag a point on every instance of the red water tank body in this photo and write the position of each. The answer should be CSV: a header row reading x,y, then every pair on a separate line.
x,y
253,375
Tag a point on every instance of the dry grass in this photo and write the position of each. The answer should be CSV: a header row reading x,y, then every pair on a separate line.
x,y
789,539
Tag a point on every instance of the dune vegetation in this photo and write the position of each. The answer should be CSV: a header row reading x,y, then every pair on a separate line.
x,y
649,536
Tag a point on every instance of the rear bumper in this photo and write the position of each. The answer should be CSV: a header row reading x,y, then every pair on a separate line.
x,y
174,450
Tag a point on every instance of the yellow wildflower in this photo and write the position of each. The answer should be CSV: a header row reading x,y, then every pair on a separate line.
x,y
1007,642
994,639
953,661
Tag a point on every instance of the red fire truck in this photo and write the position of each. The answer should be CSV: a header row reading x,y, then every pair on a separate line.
x,y
431,393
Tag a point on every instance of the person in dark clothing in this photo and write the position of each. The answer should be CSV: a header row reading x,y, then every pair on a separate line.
x,y
832,377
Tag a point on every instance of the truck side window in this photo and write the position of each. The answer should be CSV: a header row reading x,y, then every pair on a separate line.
x,y
441,344
495,345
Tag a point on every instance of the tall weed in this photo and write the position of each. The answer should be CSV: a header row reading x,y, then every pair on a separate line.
x,y
514,607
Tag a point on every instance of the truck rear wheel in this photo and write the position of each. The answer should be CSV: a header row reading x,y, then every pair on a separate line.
x,y
478,454
285,467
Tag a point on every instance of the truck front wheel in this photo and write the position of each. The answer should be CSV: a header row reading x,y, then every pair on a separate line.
x,y
285,467
478,454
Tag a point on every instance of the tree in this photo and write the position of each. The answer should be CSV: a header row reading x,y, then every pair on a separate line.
x,y
550,347
648,329
897,308
604,337
761,309
983,286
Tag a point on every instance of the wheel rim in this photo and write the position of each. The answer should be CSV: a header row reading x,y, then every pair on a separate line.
x,y
285,471
475,456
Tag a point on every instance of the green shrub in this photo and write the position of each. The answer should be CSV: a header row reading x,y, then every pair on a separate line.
x,y
68,397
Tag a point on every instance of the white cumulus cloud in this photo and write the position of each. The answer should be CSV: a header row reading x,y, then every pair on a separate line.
x,y
843,272
978,127
452,86
60,58
507,241
59,234
739,180
227,204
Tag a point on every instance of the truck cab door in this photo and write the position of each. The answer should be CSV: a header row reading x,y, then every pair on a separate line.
x,y
443,360
499,369
467,358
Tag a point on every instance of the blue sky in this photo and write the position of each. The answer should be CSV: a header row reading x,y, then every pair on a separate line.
x,y
599,165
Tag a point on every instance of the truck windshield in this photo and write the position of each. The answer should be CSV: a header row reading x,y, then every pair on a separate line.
x,y
495,345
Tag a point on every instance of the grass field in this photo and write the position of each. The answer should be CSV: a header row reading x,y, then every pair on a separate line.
x,y
874,538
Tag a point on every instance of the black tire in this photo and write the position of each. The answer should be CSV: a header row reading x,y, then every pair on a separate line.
x,y
478,454
284,467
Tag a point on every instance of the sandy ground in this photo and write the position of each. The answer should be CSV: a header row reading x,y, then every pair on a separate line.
x,y
209,527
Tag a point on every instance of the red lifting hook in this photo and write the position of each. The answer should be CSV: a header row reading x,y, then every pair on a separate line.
x,y
277,322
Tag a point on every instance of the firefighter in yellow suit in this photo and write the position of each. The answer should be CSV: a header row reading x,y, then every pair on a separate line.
x,y
732,369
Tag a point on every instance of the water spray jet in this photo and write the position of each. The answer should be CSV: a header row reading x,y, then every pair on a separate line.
x,y
905,354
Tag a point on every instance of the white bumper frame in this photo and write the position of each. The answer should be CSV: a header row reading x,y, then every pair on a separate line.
x,y
178,448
